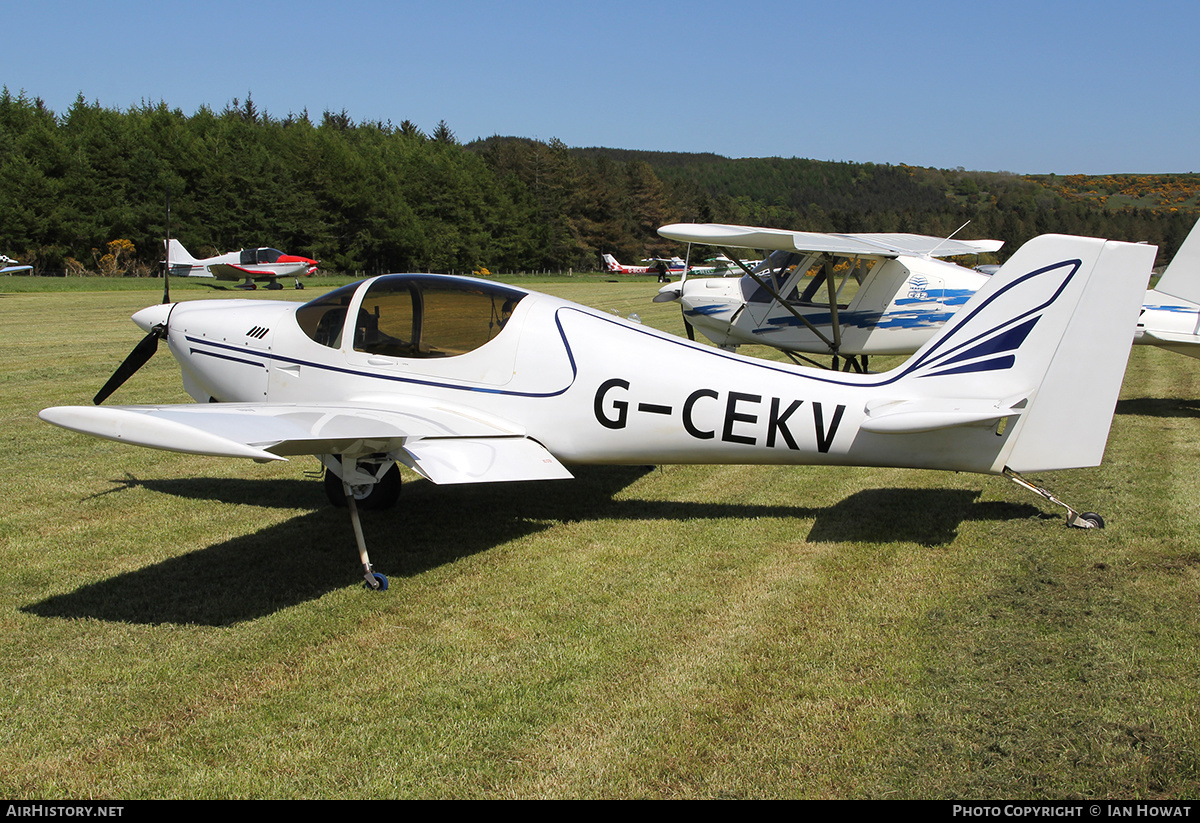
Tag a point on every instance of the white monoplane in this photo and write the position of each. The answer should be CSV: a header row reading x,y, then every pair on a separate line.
x,y
1170,316
469,381
901,294
10,266
248,265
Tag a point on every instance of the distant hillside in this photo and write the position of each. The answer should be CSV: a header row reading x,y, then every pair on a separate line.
x,y
817,195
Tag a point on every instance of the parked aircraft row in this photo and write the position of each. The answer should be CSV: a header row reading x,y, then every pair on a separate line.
x,y
665,266
470,381
855,295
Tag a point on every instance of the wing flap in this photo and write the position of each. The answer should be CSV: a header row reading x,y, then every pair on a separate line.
x,y
482,460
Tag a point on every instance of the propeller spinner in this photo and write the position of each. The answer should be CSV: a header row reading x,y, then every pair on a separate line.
x,y
154,321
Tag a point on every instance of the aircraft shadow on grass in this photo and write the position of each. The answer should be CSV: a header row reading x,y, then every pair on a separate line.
x,y
305,557
1159,407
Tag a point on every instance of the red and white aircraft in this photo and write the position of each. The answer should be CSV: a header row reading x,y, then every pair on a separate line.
x,y
613,267
248,265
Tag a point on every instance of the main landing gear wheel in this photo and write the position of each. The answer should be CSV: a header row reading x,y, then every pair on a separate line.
x,y
382,495
377,582
1094,520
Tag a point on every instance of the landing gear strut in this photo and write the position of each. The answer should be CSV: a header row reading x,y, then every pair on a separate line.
x,y
1078,520
373,483
374,579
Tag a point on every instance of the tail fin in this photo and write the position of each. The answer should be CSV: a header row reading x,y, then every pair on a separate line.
x,y
178,255
1182,277
610,263
1042,345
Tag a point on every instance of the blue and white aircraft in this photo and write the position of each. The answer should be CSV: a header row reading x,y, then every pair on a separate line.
x,y
797,299
1170,316
902,295
471,381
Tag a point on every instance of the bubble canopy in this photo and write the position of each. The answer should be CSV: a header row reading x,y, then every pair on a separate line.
x,y
411,315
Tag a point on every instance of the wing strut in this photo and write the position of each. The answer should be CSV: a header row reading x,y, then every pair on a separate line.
x,y
835,344
833,306
779,298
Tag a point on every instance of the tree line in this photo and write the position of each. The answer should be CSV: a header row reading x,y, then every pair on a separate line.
x,y
87,190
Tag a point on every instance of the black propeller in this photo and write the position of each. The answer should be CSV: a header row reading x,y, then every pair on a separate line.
x,y
148,345
137,358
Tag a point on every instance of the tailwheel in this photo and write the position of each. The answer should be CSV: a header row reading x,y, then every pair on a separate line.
x,y
1084,520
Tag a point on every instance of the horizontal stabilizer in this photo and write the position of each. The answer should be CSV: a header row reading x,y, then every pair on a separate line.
x,y
924,415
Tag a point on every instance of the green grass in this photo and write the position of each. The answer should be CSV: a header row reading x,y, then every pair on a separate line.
x,y
180,626
190,288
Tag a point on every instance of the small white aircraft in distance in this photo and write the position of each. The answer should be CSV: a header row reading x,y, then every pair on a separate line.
x,y
793,300
903,294
247,265
1170,316
10,266
470,381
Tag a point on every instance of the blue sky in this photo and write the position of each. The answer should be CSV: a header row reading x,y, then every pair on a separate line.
x,y
1030,87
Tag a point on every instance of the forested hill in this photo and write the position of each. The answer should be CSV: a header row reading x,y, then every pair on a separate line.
x,y
86,190
815,195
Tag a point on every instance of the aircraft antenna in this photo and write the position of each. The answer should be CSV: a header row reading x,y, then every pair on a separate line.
x,y
167,261
947,240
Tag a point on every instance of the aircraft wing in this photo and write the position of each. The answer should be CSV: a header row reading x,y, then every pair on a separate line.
x,y
884,245
446,445
230,271
15,269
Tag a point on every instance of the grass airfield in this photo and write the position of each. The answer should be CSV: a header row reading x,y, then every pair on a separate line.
x,y
182,626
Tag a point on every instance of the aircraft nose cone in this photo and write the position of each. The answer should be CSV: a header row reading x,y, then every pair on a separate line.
x,y
152,316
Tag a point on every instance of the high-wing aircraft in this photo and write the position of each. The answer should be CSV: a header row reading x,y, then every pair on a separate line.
x,y
10,266
247,265
470,381
793,301
613,267
797,298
